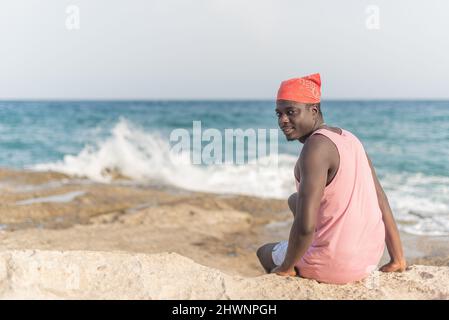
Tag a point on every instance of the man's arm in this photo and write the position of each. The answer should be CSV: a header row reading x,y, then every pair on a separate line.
x,y
313,166
392,237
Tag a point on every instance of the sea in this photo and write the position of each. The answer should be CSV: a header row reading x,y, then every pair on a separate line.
x,y
408,142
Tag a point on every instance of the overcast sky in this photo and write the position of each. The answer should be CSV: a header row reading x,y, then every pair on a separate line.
x,y
213,49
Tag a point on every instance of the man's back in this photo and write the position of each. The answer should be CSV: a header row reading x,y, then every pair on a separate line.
x,y
349,236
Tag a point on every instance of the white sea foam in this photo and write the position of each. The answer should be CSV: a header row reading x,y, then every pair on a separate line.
x,y
420,201
144,156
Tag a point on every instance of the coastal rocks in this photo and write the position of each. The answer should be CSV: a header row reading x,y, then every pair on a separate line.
x,y
30,274
99,275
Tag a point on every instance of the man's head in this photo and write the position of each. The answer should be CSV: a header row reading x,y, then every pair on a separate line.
x,y
298,106
297,119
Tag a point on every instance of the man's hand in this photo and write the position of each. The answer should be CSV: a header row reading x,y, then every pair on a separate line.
x,y
283,271
395,266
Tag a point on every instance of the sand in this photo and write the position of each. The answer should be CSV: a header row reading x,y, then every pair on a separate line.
x,y
68,238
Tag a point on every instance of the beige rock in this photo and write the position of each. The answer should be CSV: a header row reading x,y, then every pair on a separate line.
x,y
30,274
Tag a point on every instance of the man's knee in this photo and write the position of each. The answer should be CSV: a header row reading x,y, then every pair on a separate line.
x,y
264,256
292,202
261,252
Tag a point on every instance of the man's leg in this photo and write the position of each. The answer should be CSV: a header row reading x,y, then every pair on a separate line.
x,y
264,253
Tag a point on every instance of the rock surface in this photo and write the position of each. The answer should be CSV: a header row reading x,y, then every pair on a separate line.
x,y
35,274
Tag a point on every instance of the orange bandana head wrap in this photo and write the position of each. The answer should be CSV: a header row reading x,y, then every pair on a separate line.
x,y
305,90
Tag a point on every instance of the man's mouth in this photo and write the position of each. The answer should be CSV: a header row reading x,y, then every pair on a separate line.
x,y
288,130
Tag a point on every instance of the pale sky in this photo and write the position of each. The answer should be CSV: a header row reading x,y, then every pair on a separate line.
x,y
222,49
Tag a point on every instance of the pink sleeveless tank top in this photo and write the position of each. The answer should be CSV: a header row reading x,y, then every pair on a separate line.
x,y
349,237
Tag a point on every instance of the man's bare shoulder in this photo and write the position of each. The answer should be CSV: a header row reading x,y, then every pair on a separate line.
x,y
318,152
317,145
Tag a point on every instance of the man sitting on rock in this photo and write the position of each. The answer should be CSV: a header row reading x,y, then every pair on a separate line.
x,y
342,218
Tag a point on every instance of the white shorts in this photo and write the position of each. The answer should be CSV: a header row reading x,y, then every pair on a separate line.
x,y
279,252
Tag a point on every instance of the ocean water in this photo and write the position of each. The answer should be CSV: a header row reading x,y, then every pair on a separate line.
x,y
408,142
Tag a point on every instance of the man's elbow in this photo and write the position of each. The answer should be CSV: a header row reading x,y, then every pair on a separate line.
x,y
306,230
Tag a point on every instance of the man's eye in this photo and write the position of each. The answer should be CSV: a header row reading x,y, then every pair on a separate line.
x,y
278,114
290,112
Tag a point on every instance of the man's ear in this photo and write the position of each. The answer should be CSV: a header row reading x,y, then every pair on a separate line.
x,y
314,108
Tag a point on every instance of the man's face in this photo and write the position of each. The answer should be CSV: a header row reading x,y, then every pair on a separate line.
x,y
295,119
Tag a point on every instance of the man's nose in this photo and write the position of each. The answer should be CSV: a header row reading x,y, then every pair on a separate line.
x,y
283,119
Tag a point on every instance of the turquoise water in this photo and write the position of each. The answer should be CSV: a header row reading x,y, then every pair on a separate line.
x,y
408,142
